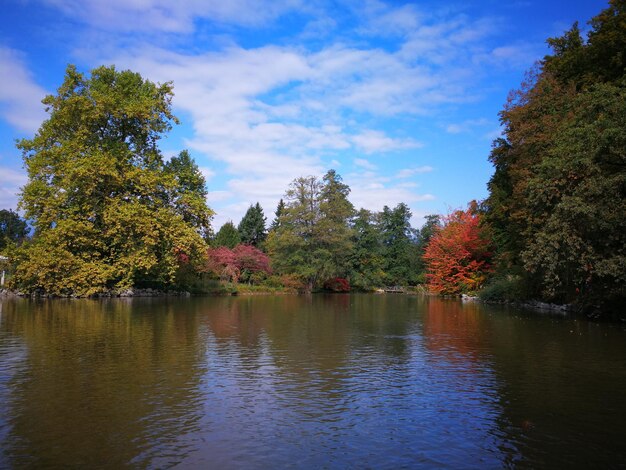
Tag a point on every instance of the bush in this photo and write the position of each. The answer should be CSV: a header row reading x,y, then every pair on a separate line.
x,y
504,289
337,284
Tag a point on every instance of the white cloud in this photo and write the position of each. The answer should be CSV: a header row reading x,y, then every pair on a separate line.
x,y
20,96
207,172
408,172
466,126
377,142
172,16
373,191
364,164
10,183
270,114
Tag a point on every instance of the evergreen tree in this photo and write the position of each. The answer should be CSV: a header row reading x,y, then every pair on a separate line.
x,y
279,212
252,226
399,250
227,236
367,262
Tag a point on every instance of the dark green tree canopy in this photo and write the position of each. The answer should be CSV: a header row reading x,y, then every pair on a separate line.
x,y
227,236
399,249
12,228
252,226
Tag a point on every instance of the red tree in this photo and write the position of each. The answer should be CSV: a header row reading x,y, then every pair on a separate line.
x,y
241,260
457,257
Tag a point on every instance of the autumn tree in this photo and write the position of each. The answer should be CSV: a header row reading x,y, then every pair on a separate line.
x,y
240,263
458,254
556,198
252,226
107,211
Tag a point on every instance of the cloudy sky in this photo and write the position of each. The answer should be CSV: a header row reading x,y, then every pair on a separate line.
x,y
401,98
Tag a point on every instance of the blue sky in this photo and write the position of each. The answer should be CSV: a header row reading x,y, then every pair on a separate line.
x,y
401,98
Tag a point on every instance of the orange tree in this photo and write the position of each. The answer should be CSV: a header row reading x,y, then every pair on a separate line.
x,y
458,255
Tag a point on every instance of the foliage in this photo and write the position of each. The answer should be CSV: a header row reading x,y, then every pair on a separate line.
x,y
399,250
252,226
13,230
509,288
227,236
367,261
241,263
458,255
313,239
107,212
337,284
280,208
556,198
188,193
424,235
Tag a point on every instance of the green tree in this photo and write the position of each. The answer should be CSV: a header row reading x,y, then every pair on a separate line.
x,y
292,245
227,236
252,226
313,239
13,230
424,235
96,186
280,208
188,192
399,249
333,231
367,261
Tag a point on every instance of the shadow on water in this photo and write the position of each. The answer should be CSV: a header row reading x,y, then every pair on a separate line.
x,y
312,381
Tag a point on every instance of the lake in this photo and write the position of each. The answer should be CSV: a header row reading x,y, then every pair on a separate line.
x,y
321,381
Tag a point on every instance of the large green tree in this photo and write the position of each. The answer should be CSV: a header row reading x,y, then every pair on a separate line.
x,y
399,248
556,202
107,211
252,226
367,261
313,239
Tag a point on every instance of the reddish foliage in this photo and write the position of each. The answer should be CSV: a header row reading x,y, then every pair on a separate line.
x,y
251,259
230,264
457,257
183,258
337,284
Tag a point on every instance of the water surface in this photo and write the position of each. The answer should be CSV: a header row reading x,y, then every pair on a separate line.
x,y
334,381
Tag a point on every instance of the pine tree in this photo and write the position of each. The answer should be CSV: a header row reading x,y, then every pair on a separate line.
x,y
227,236
252,226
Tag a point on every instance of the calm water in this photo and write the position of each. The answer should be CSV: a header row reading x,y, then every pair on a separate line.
x,y
337,381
